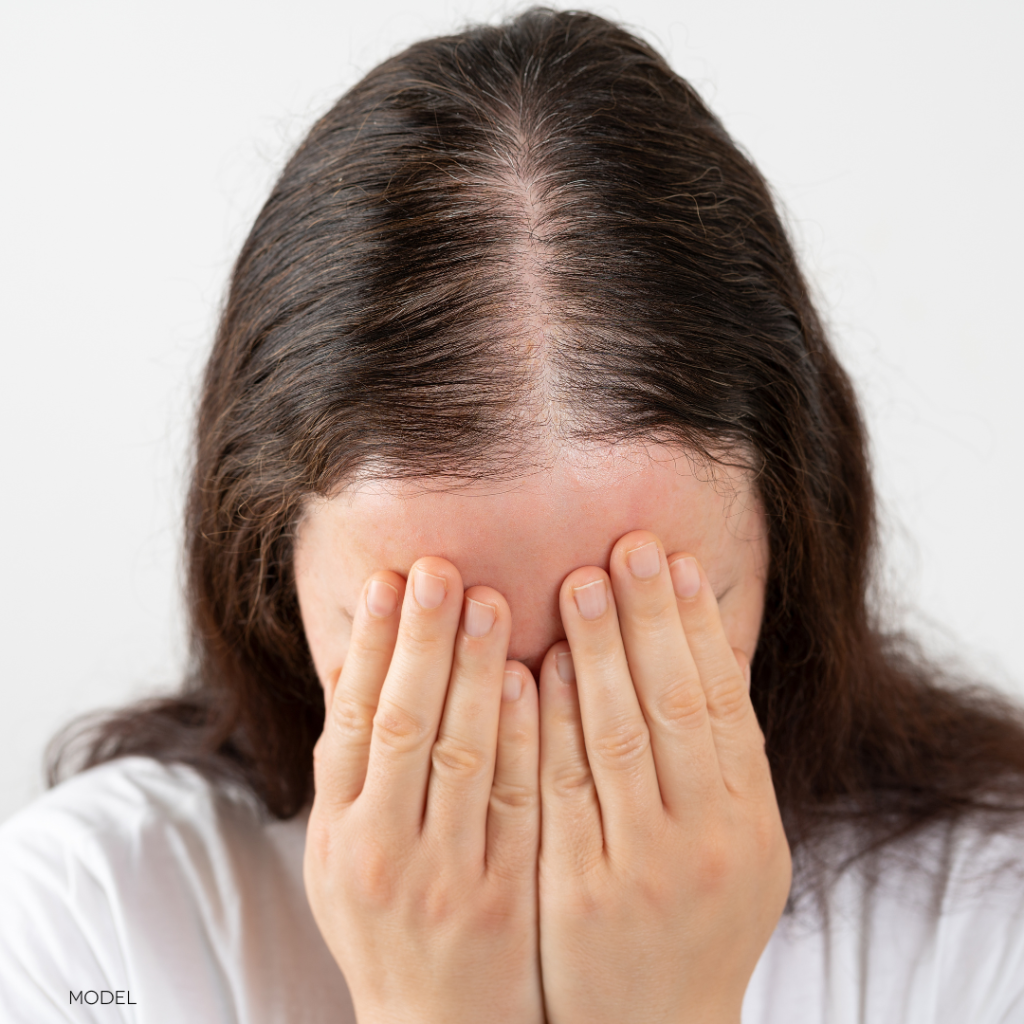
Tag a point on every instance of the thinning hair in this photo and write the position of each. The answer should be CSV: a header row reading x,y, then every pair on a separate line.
x,y
522,235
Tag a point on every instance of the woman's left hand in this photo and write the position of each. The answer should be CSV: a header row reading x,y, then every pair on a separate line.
x,y
664,867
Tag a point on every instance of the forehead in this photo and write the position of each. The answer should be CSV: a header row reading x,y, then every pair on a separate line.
x,y
524,536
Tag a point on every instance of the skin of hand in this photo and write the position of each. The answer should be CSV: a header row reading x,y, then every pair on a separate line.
x,y
421,851
663,867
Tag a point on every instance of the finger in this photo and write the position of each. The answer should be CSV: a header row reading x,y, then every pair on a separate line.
x,y
739,741
572,837
462,758
614,729
411,700
617,737
351,702
664,674
513,817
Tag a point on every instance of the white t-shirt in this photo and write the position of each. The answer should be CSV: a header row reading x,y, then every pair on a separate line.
x,y
139,892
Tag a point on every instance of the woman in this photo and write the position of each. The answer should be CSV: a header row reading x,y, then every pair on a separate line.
x,y
530,538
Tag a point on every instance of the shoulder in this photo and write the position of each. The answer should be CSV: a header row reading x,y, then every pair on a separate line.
x,y
142,877
112,800
977,891
927,930
130,818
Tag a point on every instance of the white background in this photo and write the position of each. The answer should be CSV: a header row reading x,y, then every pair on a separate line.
x,y
140,139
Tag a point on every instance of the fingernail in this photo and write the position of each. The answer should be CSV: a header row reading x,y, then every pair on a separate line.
x,y
591,599
566,669
429,590
685,577
479,618
644,562
512,687
381,599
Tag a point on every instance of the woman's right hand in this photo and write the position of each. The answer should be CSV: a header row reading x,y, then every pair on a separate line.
x,y
421,851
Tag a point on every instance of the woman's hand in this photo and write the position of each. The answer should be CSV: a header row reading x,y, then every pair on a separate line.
x,y
664,867
421,852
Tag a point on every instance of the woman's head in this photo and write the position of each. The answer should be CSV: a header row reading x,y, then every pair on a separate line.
x,y
502,255
524,537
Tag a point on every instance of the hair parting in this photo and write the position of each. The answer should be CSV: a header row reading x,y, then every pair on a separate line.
x,y
517,237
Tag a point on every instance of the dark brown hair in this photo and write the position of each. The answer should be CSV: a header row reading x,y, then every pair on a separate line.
x,y
379,319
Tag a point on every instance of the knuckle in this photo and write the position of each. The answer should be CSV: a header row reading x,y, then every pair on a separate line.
x,y
372,873
515,796
499,906
623,746
371,640
398,729
657,888
584,901
515,737
458,760
603,649
713,865
437,903
571,780
728,701
423,639
350,716
682,704
658,620
447,896
698,620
